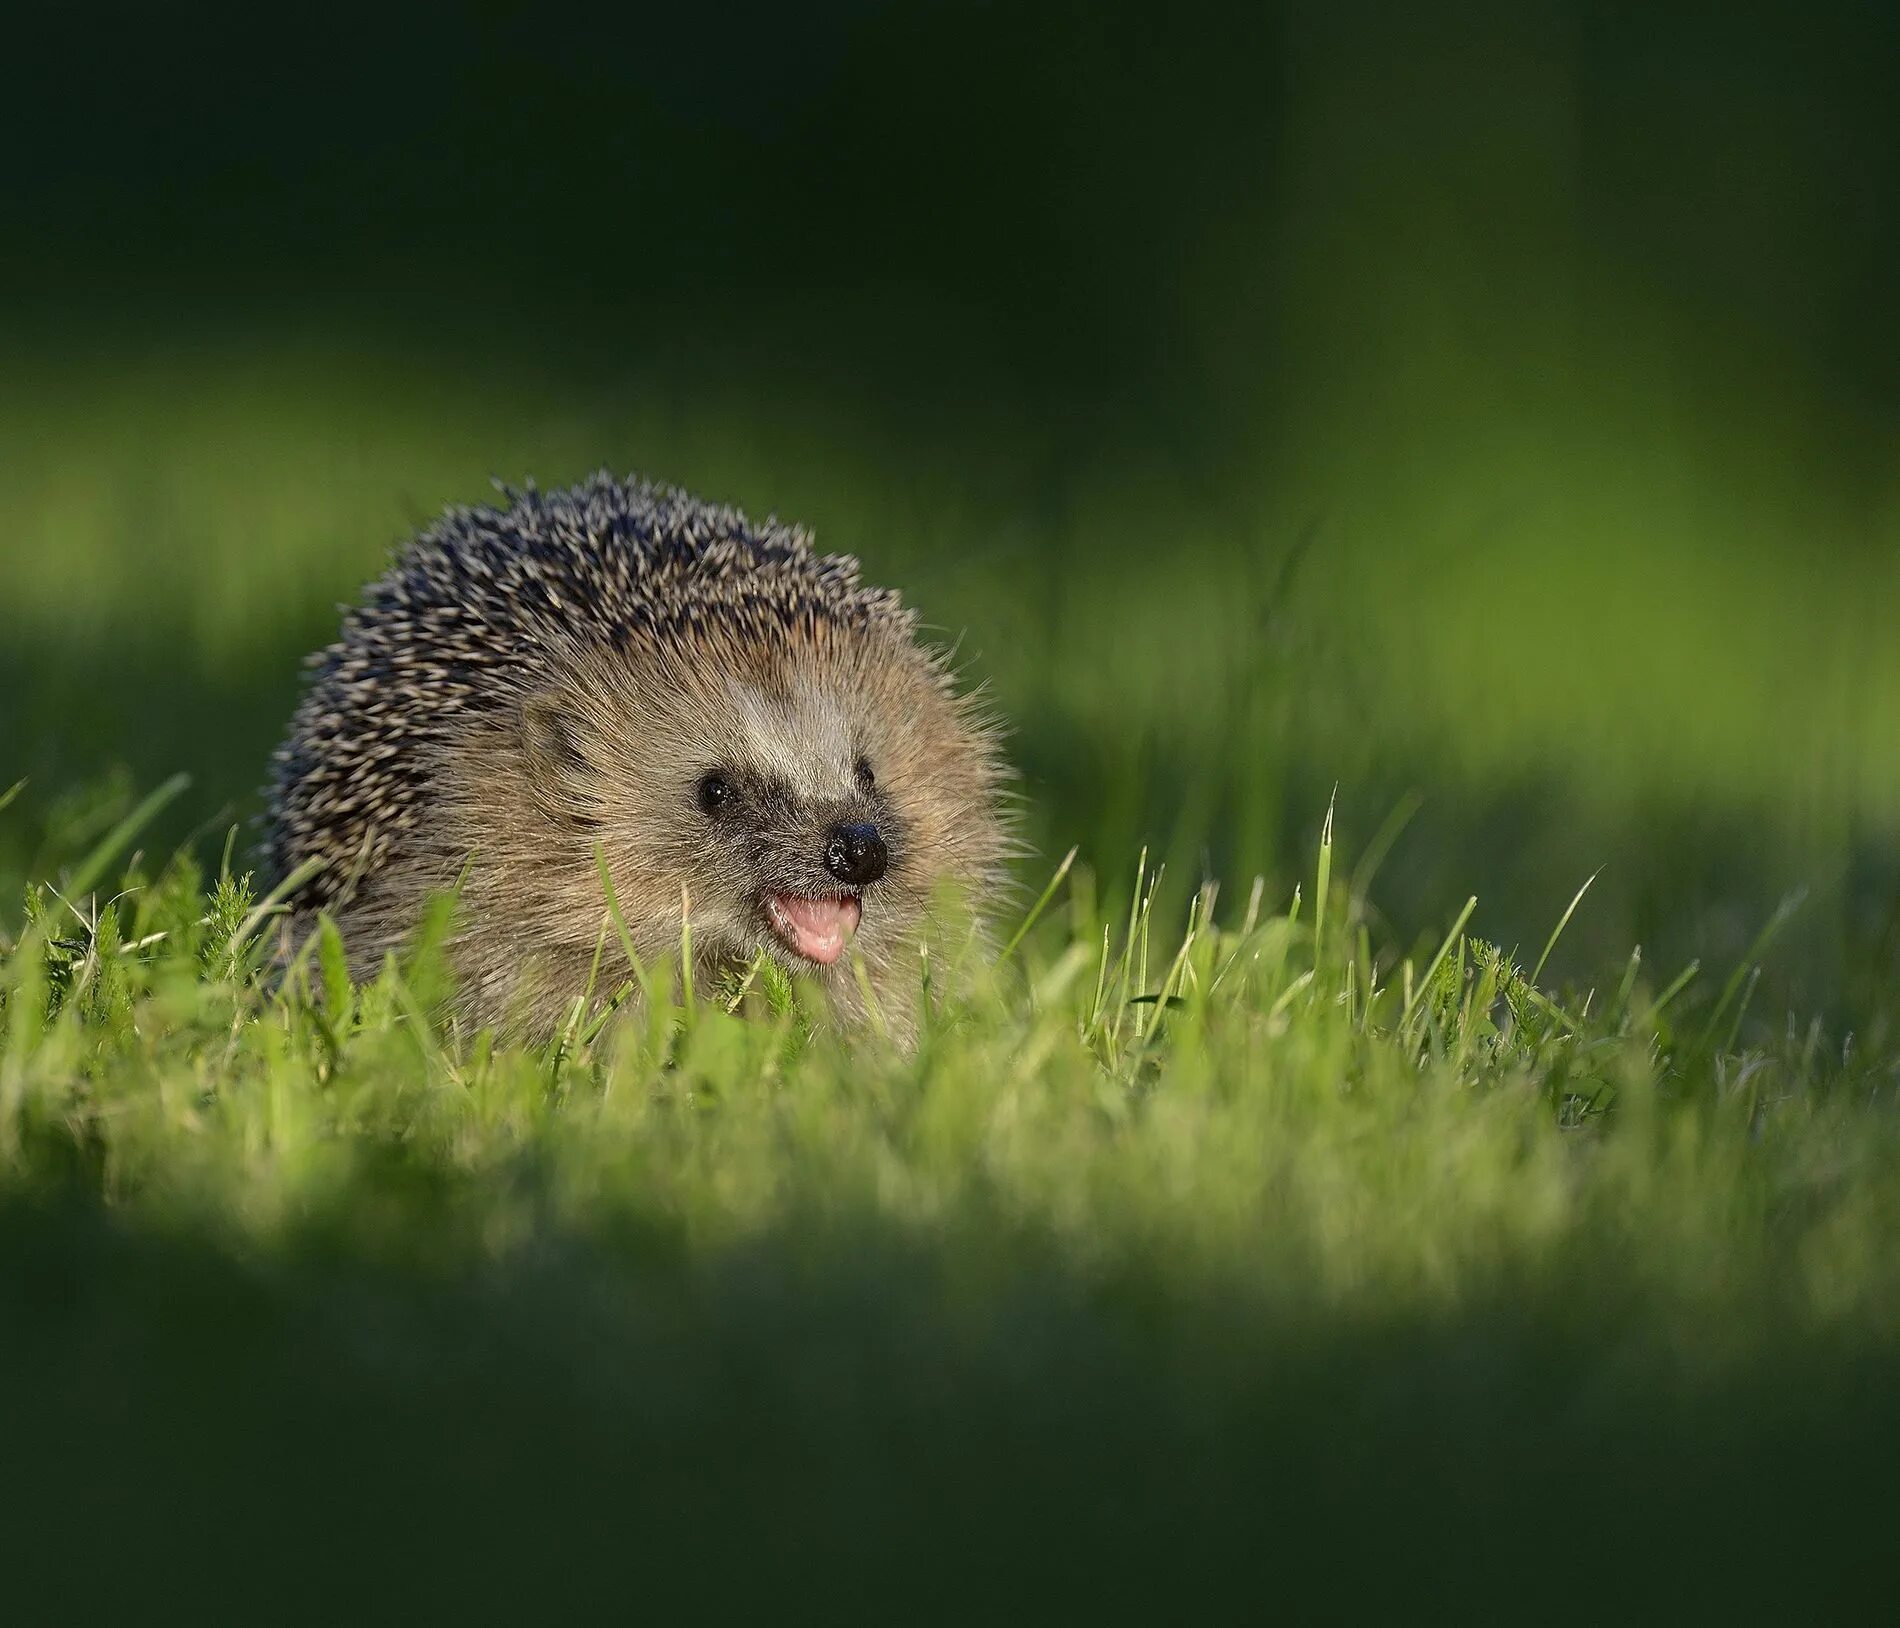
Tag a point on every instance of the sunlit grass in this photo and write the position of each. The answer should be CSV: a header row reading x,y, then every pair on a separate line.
x,y
1274,1096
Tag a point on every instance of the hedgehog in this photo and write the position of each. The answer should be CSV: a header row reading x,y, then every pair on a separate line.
x,y
619,685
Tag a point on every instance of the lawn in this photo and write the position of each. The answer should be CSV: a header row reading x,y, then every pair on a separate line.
x,y
1250,1263
1316,1242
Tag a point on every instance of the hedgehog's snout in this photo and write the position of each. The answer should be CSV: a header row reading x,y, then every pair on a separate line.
x,y
856,854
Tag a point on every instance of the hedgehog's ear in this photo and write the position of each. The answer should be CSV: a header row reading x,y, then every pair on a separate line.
x,y
548,737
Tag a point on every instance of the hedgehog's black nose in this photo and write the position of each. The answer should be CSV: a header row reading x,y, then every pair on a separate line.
x,y
856,854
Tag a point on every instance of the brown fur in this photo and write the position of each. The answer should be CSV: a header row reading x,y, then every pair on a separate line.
x,y
533,687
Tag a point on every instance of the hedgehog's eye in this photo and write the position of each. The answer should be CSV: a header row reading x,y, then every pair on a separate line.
x,y
717,793
866,780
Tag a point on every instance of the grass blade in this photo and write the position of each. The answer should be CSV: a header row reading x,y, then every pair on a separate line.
x,y
269,905
94,866
618,918
1380,848
1676,986
1563,921
1455,936
1325,878
1041,904
1784,913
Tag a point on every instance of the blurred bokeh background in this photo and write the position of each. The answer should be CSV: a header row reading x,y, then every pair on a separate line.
x,y
1485,408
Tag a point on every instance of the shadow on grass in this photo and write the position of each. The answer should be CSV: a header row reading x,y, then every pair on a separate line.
x,y
812,1426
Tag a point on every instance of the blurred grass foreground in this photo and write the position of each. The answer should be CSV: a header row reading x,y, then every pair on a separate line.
x,y
1374,457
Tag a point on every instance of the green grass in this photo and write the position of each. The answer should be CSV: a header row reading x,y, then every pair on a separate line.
x,y
1260,1263
1329,1246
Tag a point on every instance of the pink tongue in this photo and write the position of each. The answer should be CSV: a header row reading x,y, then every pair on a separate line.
x,y
816,928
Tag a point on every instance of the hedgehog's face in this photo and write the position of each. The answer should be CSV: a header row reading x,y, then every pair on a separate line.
x,y
797,851
813,806
814,817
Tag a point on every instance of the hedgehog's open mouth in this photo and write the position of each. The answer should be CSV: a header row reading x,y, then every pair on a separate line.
x,y
817,928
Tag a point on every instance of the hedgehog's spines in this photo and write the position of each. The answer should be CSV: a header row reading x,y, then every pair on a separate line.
x,y
473,610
